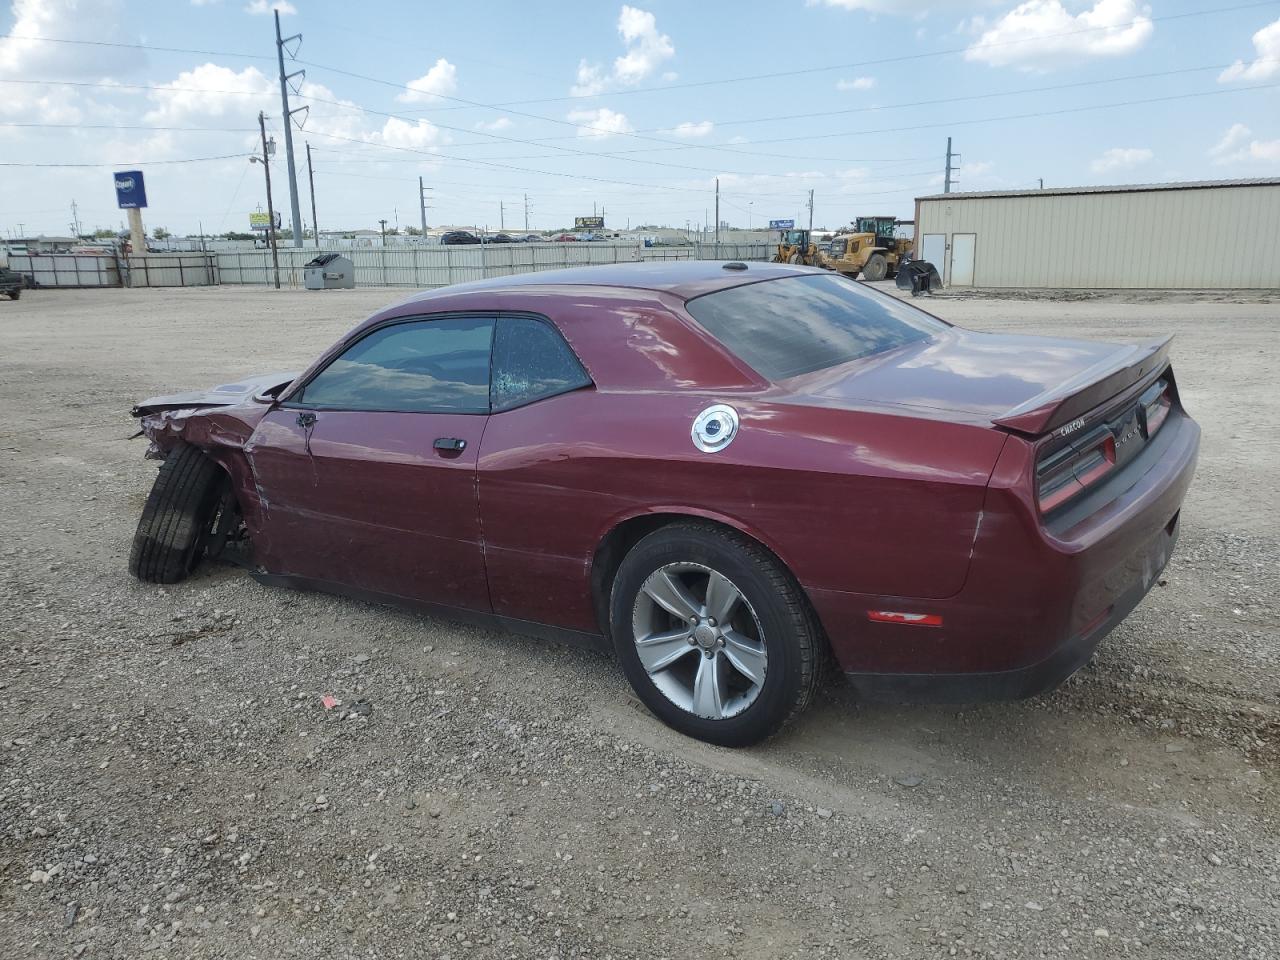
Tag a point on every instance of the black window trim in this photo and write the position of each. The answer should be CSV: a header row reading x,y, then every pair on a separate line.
x,y
496,316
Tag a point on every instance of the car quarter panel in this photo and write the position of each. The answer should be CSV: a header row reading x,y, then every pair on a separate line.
x,y
844,498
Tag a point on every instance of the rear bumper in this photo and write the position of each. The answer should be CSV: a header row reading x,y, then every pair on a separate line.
x,y
1019,682
1037,601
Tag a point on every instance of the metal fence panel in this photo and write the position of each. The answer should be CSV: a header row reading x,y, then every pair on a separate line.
x,y
172,270
425,267
67,269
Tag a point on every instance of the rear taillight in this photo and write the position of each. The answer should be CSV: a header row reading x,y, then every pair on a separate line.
x,y
1070,471
1156,403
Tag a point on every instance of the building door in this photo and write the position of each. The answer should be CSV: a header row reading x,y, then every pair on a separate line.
x,y
934,249
962,246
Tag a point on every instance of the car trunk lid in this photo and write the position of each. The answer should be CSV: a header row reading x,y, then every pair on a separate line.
x,y
1025,384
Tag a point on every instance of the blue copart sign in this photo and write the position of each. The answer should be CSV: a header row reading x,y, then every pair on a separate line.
x,y
130,189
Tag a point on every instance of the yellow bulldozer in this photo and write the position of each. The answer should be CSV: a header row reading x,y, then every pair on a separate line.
x,y
869,247
797,246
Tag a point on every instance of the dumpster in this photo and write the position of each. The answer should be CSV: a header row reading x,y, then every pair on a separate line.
x,y
329,271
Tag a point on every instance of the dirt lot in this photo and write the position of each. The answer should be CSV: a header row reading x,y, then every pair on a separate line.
x,y
170,784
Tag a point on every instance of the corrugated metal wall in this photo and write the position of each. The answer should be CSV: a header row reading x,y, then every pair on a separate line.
x,y
1214,237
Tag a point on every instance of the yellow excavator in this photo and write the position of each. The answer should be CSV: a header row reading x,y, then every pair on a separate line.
x,y
869,247
796,246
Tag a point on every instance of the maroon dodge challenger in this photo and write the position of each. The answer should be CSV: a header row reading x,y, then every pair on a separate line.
x,y
729,473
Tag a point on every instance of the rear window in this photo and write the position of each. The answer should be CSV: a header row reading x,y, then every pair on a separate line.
x,y
795,325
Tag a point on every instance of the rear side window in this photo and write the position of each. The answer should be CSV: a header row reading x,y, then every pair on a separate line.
x,y
783,328
426,366
531,361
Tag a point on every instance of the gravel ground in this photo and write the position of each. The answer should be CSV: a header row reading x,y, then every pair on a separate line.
x,y
170,783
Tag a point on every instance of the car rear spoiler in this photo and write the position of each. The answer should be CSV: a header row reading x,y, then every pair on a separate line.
x,y
1088,389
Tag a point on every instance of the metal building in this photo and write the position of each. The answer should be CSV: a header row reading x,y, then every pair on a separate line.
x,y
1222,234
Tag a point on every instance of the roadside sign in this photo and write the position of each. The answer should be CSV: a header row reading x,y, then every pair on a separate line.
x,y
259,220
131,192
588,223
782,224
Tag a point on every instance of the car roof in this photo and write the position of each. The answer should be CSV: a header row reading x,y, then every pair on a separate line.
x,y
682,278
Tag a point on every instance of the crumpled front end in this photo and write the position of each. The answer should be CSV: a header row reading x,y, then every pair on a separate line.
x,y
220,417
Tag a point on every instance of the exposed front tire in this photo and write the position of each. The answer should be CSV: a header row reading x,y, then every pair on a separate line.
x,y
178,517
876,267
714,634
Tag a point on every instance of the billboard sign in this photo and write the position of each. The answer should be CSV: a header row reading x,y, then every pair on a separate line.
x,y
260,220
131,192
588,223
782,224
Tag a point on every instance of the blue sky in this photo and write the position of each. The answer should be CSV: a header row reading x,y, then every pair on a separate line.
x,y
634,108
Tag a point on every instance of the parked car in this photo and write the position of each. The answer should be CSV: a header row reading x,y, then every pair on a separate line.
x,y
725,472
534,238
458,237
565,238
11,283
502,238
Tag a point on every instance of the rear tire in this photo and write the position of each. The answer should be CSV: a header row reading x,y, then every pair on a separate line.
x,y
876,267
178,517
15,293
766,664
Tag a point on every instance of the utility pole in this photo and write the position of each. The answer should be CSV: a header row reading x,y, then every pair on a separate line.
x,y
311,179
383,225
950,177
288,127
1041,179
502,216
526,213
717,215
811,211
422,205
271,210
75,219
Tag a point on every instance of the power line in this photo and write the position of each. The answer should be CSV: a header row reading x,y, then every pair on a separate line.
x,y
127,163
122,126
137,46
1214,11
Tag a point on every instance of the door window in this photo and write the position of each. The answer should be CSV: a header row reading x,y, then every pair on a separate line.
x,y
531,362
424,366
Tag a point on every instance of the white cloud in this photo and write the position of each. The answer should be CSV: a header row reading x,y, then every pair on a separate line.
x,y
1266,42
493,126
440,81
590,80
261,8
601,123
1121,158
211,91
421,135
871,6
691,130
1040,33
1237,147
670,77
21,57
857,83
647,49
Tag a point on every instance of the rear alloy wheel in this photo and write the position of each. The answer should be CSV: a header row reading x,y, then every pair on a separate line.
x,y
714,634
876,267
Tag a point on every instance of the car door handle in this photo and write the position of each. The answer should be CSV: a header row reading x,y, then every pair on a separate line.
x,y
452,444
307,419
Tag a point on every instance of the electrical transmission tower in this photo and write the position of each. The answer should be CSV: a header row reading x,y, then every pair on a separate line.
x,y
281,44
